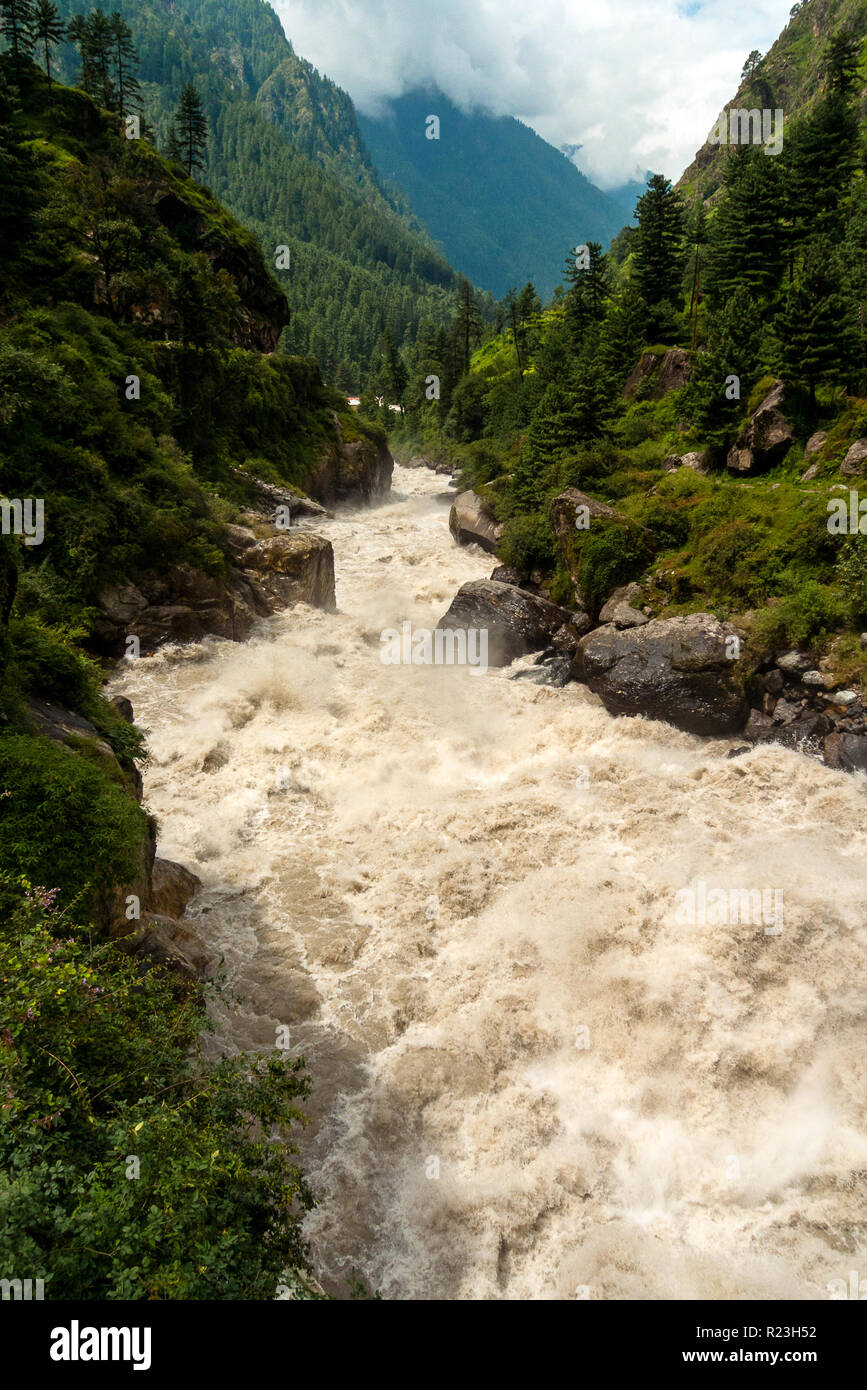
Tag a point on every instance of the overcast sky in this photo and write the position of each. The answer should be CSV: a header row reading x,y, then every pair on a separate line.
x,y
637,83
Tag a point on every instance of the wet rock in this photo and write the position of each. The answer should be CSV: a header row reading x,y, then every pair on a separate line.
x,y
773,682
853,464
805,734
172,887
765,438
269,496
517,622
185,604
675,669
160,940
504,574
124,708
794,662
472,522
846,751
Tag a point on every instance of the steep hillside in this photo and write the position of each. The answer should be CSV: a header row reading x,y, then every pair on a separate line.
x,y
505,205
790,78
286,157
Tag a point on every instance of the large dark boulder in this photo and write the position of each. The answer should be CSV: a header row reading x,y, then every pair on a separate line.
x,y
516,622
676,669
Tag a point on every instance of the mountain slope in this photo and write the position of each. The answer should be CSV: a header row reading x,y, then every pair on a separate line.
x,y
789,78
504,204
286,157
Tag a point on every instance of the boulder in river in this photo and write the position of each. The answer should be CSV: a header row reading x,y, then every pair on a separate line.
x,y
682,670
516,622
472,522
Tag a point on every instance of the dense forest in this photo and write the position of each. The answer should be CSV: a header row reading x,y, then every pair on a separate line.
x,y
663,348
285,155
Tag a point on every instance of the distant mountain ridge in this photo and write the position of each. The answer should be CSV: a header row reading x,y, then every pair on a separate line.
x,y
504,204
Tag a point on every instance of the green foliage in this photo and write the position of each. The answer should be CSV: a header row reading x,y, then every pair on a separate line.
x,y
64,821
528,543
801,618
609,556
131,1167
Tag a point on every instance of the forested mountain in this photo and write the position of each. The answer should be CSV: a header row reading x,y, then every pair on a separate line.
x,y
285,154
502,202
790,77
706,377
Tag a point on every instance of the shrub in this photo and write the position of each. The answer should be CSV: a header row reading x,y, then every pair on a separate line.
x,y
63,820
130,1167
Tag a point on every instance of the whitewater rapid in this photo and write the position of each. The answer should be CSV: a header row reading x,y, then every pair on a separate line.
x,y
459,893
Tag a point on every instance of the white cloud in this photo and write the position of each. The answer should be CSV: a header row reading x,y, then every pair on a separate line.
x,y
637,83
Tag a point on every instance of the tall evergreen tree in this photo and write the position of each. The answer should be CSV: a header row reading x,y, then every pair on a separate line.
x,y
189,131
48,30
733,349
816,343
587,272
467,327
16,21
659,248
745,240
125,61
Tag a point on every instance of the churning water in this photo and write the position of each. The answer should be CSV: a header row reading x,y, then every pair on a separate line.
x,y
461,895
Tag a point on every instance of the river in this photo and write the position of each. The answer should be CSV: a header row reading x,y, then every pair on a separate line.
x,y
460,895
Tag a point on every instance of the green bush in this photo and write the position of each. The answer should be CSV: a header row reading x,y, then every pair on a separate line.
x,y
63,820
608,558
528,543
800,618
131,1167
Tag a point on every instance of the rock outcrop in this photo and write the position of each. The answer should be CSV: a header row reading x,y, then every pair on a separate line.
x,y
185,604
676,669
472,522
516,622
358,470
576,516
657,373
765,438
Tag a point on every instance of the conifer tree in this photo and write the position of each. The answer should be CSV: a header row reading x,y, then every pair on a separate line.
x,y
733,349
189,132
125,61
815,337
623,335
745,238
17,19
48,30
587,272
659,248
467,327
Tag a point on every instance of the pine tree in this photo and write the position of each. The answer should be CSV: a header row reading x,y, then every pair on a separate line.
x,y
17,18
189,132
745,241
125,61
585,301
815,337
696,238
733,350
659,250
624,332
467,327
48,30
